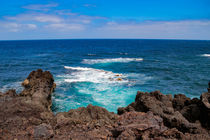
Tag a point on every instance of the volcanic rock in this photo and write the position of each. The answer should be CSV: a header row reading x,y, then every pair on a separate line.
x,y
180,112
153,115
22,112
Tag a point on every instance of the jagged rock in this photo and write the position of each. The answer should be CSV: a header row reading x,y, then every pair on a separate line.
x,y
92,122
205,98
43,131
188,108
178,113
152,116
180,101
82,115
19,112
39,85
205,109
136,125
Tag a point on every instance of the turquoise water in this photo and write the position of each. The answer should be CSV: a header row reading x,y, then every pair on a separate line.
x,y
108,73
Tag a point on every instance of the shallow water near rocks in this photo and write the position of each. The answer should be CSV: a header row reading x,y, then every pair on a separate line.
x,y
108,73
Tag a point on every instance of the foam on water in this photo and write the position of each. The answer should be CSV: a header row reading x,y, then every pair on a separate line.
x,y
171,69
111,60
97,87
206,55
84,74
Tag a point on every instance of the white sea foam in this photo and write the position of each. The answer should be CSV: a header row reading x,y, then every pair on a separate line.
x,y
111,60
103,87
78,68
206,55
84,74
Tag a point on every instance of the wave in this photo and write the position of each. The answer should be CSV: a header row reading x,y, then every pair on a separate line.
x,y
42,55
78,68
90,54
104,88
123,53
84,74
111,60
206,55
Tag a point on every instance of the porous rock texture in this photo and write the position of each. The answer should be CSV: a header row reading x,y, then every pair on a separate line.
x,y
153,115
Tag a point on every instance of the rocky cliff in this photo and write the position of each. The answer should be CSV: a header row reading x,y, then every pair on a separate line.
x,y
153,115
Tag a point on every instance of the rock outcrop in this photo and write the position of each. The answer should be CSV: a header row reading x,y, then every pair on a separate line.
x,y
189,116
27,115
153,115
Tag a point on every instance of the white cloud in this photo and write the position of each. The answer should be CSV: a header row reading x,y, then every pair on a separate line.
x,y
12,27
36,17
31,26
65,27
155,25
84,19
16,27
50,18
47,18
41,7
185,29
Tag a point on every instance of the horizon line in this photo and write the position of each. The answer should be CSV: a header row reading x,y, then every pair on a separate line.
x,y
103,39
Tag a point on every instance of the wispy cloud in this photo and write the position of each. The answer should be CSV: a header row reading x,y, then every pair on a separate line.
x,y
184,29
65,12
89,5
31,26
35,17
41,7
63,27
16,27
48,18
156,25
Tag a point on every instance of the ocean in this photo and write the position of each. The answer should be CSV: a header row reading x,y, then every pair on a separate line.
x,y
108,73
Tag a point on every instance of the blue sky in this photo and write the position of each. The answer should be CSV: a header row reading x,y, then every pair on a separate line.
x,y
66,19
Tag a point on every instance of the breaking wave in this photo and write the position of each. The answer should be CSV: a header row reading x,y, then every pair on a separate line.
x,y
206,55
111,60
84,74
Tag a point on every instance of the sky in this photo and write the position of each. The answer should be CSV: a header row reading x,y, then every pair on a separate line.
x,y
105,19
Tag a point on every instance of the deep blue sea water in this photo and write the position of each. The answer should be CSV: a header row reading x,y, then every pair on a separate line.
x,y
108,73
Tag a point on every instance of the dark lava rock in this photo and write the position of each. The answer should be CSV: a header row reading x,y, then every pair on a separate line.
x,y
132,125
21,112
180,112
205,109
43,131
92,122
153,115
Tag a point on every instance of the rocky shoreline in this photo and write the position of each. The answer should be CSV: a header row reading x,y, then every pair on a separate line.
x,y
153,115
